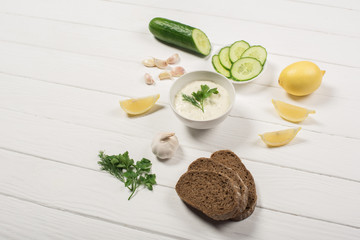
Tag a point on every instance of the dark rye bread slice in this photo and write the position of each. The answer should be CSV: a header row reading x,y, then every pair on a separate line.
x,y
206,164
231,160
212,193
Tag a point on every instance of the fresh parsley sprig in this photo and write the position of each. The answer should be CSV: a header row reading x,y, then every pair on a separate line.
x,y
197,98
123,168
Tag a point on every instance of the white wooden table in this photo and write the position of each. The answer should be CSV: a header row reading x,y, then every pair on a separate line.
x,y
65,64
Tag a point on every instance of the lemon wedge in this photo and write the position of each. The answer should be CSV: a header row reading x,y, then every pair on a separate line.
x,y
136,106
291,112
279,138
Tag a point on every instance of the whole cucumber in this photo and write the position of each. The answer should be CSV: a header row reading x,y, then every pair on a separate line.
x,y
180,35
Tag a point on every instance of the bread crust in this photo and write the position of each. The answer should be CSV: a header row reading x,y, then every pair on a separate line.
x,y
212,193
207,164
231,160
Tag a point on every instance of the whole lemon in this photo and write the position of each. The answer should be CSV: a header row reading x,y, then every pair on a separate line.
x,y
301,78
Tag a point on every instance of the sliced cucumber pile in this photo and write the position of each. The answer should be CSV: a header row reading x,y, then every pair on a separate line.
x,y
240,61
245,69
237,49
224,57
257,52
218,67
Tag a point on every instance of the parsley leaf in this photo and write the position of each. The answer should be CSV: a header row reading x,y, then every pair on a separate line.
x,y
197,98
132,175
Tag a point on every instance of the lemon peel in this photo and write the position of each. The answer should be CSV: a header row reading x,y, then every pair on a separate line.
x,y
279,138
301,78
136,106
291,112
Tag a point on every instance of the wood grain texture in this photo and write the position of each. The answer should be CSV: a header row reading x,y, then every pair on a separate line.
x,y
104,43
64,66
101,111
286,14
78,145
314,45
26,219
94,193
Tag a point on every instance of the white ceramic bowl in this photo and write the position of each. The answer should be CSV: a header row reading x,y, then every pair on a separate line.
x,y
202,75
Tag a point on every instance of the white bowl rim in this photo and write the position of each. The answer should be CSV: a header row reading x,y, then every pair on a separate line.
x,y
232,100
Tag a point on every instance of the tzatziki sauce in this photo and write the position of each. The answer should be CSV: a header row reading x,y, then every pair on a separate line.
x,y
214,106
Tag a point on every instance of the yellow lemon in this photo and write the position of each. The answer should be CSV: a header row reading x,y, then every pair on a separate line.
x,y
137,106
279,138
291,112
301,78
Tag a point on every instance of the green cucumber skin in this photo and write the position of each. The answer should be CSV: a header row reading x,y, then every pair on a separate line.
x,y
216,69
242,56
244,80
224,49
174,33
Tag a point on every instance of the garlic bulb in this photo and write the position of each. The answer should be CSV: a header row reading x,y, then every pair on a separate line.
x,y
164,145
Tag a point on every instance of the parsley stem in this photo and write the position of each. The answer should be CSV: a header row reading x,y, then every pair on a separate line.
x,y
131,194
202,105
133,189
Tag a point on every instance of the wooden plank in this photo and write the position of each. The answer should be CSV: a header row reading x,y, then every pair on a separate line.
x,y
78,145
115,59
347,4
21,219
253,102
104,42
90,71
285,14
289,42
101,111
99,195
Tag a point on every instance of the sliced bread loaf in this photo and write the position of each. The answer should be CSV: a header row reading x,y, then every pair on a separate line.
x,y
206,164
212,193
231,160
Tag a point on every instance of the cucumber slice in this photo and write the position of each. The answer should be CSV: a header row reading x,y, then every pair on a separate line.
x,y
201,41
224,57
180,35
218,67
257,52
245,69
237,49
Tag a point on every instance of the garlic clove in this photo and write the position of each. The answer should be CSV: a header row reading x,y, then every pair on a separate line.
x,y
148,79
164,145
166,136
175,58
160,63
165,75
177,71
149,62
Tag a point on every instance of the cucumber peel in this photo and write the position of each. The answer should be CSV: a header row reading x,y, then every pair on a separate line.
x,y
237,49
180,35
257,52
224,57
245,69
218,67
